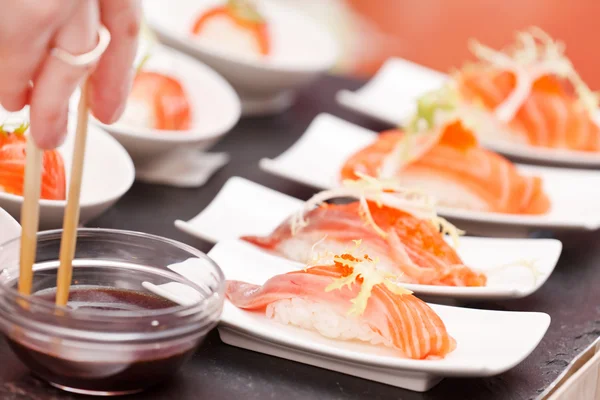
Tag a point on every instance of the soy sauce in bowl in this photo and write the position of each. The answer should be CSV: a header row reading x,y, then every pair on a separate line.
x,y
117,377
113,337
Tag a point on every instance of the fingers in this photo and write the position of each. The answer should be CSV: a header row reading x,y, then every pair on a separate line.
x,y
56,80
111,81
23,46
15,101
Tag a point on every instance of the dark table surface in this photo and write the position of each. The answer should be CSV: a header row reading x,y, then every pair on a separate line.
x,y
218,371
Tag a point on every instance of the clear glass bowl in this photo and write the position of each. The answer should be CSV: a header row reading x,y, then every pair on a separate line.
x,y
106,351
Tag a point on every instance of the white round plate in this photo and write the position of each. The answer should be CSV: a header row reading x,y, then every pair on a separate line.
x,y
215,109
301,51
108,174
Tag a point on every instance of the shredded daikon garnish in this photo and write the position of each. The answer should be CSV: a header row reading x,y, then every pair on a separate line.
x,y
366,269
535,55
447,228
383,193
320,258
530,265
315,257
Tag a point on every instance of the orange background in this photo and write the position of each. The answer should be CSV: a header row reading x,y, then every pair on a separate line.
x,y
435,32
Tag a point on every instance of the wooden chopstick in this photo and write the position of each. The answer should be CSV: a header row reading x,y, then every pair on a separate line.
x,y
71,218
30,211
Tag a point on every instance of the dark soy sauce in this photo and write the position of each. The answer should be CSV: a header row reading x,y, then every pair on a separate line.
x,y
104,376
109,299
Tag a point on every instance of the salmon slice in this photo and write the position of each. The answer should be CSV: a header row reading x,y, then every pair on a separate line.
x,y
164,98
303,298
413,249
550,117
457,172
243,17
12,168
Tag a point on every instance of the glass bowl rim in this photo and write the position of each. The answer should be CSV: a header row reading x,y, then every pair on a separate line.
x,y
89,314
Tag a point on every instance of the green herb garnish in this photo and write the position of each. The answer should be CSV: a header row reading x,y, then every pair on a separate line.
x,y
142,62
245,10
428,105
19,130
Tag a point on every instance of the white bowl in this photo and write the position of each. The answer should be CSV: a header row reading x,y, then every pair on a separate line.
x,y
301,51
9,228
215,109
108,174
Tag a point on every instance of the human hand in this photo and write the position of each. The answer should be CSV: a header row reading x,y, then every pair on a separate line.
x,y
31,28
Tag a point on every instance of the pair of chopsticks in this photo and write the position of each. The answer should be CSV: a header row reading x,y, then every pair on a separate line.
x,y
30,209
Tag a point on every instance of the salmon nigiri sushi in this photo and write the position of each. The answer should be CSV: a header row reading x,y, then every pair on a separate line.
x,y
12,166
445,160
349,300
406,241
157,101
237,26
534,90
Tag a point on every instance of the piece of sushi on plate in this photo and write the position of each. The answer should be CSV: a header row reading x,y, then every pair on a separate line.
x,y
237,26
349,299
398,227
534,93
13,144
439,154
157,101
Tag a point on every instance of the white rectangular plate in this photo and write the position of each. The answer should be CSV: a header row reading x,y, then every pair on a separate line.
x,y
391,94
488,342
317,157
243,207
9,228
